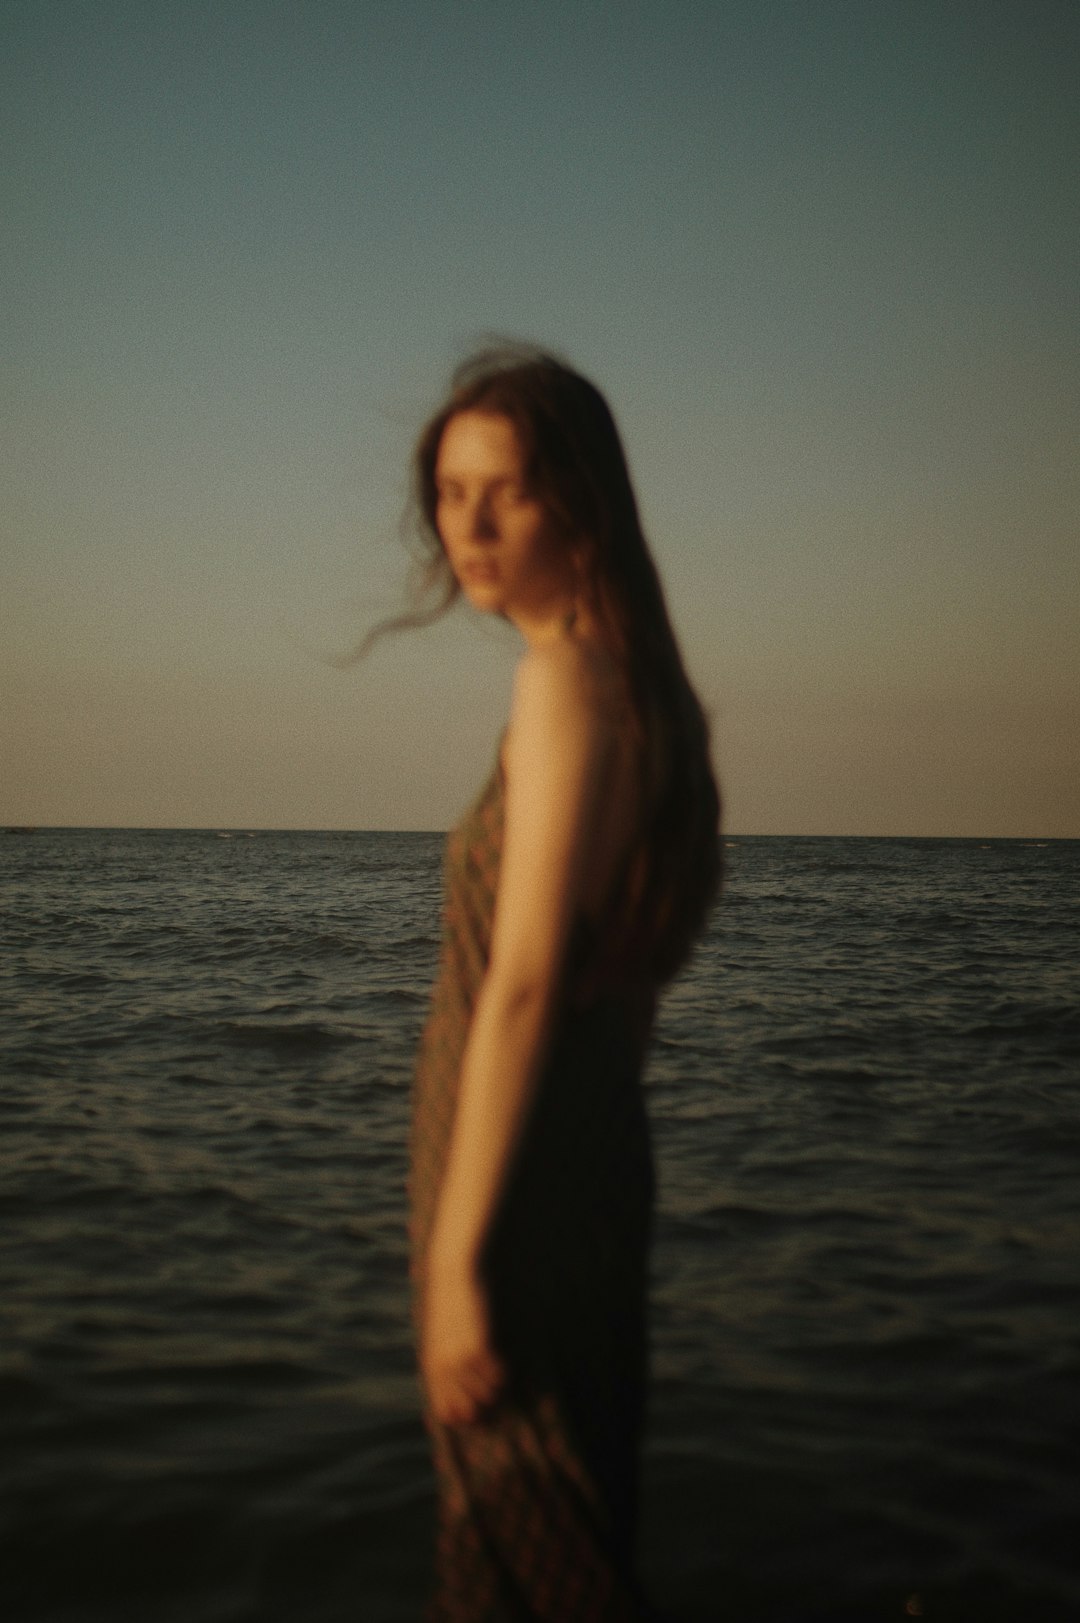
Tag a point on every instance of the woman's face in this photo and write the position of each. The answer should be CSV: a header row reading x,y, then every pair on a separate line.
x,y
502,544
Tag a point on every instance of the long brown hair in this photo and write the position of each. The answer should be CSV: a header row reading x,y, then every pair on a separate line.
x,y
576,465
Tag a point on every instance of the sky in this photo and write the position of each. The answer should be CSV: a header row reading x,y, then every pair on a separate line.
x,y
823,259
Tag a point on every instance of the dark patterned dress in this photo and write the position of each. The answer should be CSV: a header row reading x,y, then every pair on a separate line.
x,y
537,1502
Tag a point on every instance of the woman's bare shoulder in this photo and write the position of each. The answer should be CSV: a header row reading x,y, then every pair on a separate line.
x,y
575,675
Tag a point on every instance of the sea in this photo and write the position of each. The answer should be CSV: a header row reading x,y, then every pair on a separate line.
x,y
865,1098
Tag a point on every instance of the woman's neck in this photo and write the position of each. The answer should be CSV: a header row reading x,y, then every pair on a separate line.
x,y
565,620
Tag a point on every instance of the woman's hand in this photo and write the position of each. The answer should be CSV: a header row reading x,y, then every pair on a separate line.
x,y
462,1372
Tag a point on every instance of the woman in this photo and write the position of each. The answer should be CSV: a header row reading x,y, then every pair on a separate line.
x,y
575,885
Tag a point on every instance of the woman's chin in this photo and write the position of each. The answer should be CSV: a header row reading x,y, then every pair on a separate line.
x,y
484,595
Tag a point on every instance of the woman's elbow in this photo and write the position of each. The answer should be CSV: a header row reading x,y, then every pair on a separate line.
x,y
523,997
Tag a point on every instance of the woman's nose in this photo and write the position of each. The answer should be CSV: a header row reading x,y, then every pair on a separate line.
x,y
482,521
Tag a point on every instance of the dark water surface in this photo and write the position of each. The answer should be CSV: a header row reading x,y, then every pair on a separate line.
x,y
866,1100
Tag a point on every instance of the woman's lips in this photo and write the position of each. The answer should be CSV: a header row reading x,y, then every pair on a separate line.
x,y
479,571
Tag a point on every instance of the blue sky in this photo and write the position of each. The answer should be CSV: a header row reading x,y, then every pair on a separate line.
x,y
822,258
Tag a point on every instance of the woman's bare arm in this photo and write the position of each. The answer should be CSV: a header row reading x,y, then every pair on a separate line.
x,y
559,751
